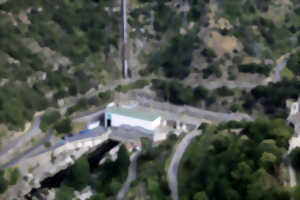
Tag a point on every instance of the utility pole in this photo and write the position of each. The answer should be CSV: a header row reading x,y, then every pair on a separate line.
x,y
124,46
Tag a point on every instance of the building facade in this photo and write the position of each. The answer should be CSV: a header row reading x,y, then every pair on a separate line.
x,y
117,116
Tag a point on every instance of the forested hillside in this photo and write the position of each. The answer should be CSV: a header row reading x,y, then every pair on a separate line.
x,y
56,49
53,49
237,161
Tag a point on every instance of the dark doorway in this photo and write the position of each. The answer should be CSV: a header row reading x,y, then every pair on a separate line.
x,y
109,123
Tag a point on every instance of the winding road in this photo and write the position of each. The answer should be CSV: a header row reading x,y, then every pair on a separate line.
x,y
131,176
173,169
281,64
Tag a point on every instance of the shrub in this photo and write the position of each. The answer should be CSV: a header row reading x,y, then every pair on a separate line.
x,y
294,63
14,176
105,96
3,182
255,68
64,126
139,84
212,69
209,54
224,91
49,118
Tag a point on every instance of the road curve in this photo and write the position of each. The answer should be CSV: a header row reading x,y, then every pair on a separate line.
x,y
281,63
173,169
278,69
131,176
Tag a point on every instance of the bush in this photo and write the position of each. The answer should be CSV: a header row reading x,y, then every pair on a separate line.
x,y
295,158
82,104
63,126
139,84
176,58
212,69
14,176
224,91
49,118
3,182
255,68
209,54
64,193
79,175
105,96
294,63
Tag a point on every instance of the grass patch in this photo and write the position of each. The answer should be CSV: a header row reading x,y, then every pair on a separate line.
x,y
77,126
139,84
287,74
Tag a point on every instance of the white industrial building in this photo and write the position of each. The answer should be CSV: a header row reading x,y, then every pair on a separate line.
x,y
118,116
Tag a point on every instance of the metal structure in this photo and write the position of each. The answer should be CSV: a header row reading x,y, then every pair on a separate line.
x,y
124,46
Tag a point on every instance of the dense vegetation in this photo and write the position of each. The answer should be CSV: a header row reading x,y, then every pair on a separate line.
x,y
49,118
105,181
18,104
256,24
222,164
294,63
3,182
176,57
295,158
273,96
111,176
255,68
151,171
177,93
77,30
11,178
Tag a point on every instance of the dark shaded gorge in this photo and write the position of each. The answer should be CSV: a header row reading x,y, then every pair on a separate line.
x,y
55,180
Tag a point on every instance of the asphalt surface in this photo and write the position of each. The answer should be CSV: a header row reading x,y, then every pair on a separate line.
x,y
173,169
28,151
278,69
35,130
131,176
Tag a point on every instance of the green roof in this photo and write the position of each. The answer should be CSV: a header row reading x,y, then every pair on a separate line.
x,y
148,116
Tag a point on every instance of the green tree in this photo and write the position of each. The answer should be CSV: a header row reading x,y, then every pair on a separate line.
x,y
49,118
200,196
14,176
3,182
79,175
296,192
268,160
63,126
295,157
294,63
64,193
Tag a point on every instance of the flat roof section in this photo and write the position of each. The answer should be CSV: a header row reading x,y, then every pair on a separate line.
x,y
147,116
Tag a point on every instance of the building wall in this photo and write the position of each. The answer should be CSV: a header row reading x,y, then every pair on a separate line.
x,y
118,120
294,108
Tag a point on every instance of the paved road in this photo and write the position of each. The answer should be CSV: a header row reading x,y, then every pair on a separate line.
x,y
278,69
282,61
131,176
27,137
173,169
28,151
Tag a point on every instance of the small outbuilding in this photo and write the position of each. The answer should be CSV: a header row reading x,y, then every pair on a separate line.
x,y
118,116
